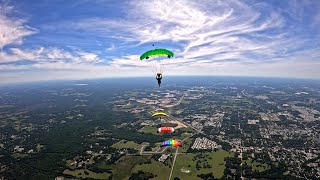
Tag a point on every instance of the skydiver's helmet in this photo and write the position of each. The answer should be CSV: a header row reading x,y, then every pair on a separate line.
x,y
159,75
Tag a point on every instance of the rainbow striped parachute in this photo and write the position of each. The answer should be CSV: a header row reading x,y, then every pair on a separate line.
x,y
171,142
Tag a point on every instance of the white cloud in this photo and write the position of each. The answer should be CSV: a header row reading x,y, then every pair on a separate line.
x,y
220,38
132,67
205,28
51,55
16,54
12,30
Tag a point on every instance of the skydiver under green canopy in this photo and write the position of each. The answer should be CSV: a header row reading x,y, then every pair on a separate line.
x,y
158,78
156,65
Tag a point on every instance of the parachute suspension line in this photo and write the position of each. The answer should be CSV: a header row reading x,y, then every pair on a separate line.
x,y
158,63
155,66
147,65
156,59
152,67
163,64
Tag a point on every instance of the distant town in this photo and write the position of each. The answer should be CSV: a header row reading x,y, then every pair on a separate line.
x,y
227,130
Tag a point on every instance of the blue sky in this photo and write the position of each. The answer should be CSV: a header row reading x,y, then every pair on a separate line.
x,y
82,39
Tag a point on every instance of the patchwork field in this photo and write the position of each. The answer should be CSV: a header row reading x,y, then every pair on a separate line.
x,y
126,144
86,174
186,164
159,169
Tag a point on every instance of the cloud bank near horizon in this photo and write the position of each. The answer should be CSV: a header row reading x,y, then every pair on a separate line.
x,y
237,38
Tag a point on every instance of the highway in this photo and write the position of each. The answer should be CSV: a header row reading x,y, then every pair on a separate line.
x,y
176,154
174,162
165,148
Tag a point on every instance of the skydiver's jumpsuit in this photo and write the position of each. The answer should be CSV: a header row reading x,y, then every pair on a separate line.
x,y
159,77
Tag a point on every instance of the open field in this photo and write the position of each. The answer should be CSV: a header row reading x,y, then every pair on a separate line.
x,y
149,129
183,162
81,174
185,145
126,144
157,168
124,166
132,93
186,164
185,101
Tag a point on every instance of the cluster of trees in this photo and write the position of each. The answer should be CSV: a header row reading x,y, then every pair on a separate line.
x,y
211,130
202,161
156,156
95,169
202,164
277,171
232,163
233,170
208,176
140,175
295,143
310,172
225,146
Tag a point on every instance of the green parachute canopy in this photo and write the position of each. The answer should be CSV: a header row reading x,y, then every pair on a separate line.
x,y
156,52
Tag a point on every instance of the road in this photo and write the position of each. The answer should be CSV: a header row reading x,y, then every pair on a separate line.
x,y
165,148
142,148
178,103
174,162
241,156
177,149
176,154
241,149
